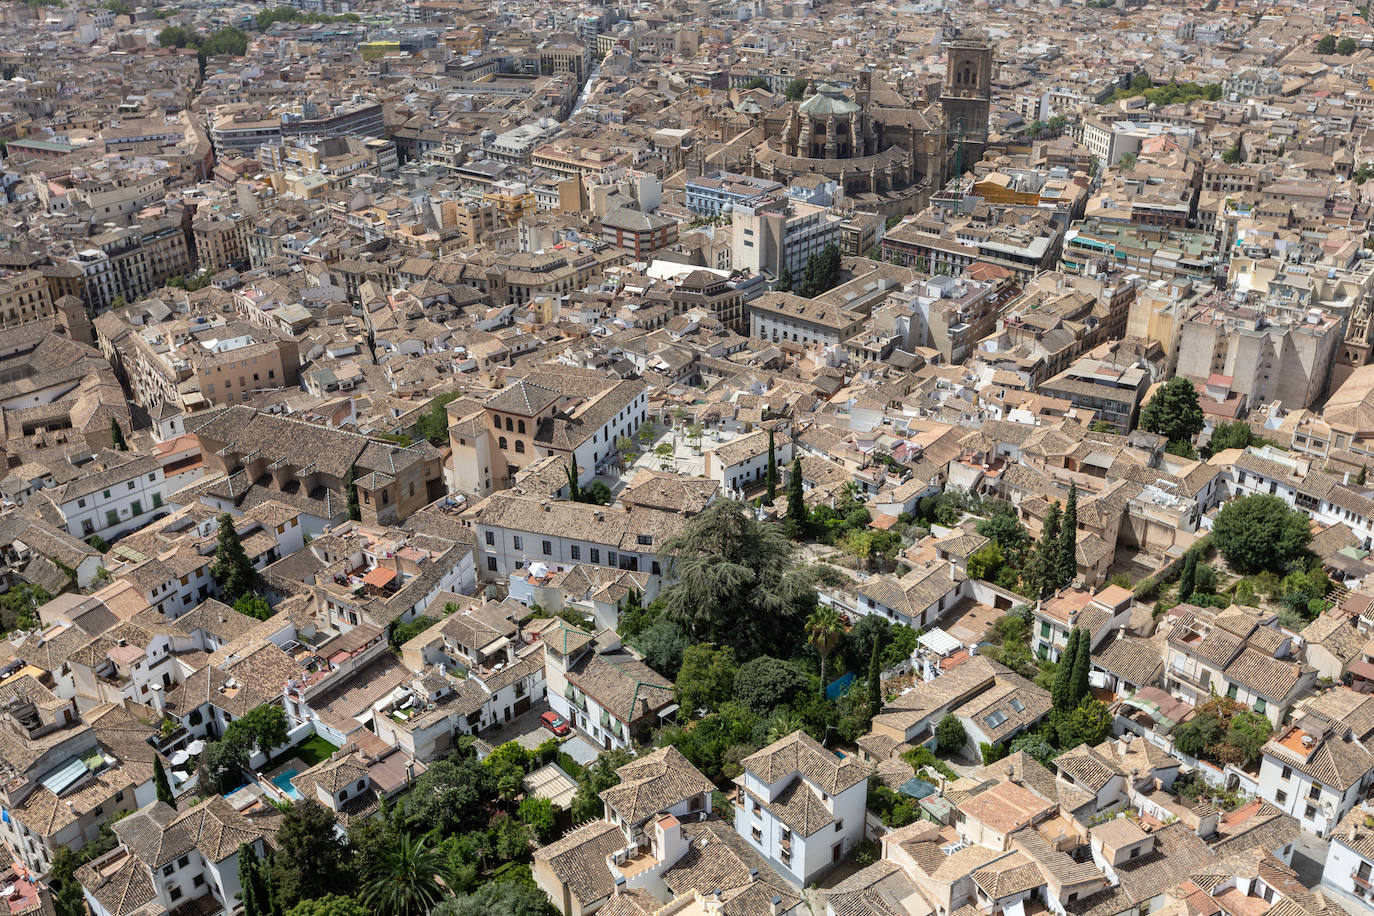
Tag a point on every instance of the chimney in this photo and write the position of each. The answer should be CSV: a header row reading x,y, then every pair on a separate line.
x,y
753,875
775,905
619,884
1123,744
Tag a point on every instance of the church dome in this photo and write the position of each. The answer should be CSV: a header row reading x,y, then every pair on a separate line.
x,y
828,100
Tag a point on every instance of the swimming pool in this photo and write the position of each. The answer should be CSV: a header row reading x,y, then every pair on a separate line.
x,y
283,781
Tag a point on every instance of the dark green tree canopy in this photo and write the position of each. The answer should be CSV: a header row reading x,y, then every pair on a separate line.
x,y
735,582
1173,412
232,569
1260,532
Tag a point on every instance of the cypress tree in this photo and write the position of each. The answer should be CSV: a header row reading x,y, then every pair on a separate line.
x,y
771,475
250,880
1364,471
574,491
1047,563
117,437
796,505
1068,550
355,512
875,685
1188,577
161,785
1063,676
1082,664
232,569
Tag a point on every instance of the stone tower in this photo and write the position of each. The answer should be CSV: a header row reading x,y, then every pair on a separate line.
x,y
967,97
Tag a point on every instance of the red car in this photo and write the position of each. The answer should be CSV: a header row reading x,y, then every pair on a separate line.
x,y
554,723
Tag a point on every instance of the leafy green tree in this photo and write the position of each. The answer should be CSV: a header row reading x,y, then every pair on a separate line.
x,y
117,437
1008,533
663,644
706,678
174,36
870,632
771,474
1246,736
509,763
1260,532
1200,734
411,881
795,90
433,423
594,780
1326,44
355,512
539,813
1089,723
823,633
263,727
1188,578
329,905
232,569
311,857
449,797
1230,434
757,82
950,734
735,585
764,683
1173,412
507,896
1364,471
985,562
783,283
402,633
161,785
597,493
253,605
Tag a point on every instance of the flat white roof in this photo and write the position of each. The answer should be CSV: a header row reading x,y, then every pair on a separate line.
x,y
940,642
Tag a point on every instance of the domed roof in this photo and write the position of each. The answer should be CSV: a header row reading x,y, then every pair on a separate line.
x,y
828,100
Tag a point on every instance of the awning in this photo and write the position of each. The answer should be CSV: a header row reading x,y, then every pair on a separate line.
x,y
940,642
65,776
379,577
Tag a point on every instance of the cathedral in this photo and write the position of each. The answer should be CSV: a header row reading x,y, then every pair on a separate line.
x,y
872,143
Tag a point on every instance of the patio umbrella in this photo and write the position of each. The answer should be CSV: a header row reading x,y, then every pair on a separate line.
x,y
195,747
179,758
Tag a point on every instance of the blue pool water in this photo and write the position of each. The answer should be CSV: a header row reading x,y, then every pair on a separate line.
x,y
283,781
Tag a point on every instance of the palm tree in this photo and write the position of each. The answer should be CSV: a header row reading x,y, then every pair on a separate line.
x,y
410,879
824,632
783,723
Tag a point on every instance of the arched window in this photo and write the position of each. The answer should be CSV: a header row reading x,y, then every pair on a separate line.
x,y
508,424
521,427
502,443
520,446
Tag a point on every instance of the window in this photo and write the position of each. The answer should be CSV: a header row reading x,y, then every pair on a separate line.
x,y
1316,791
1017,705
198,880
175,893
518,542
183,861
1287,773
157,500
596,554
1259,705
520,446
575,552
119,796
996,719
1044,630
502,443
839,825
111,517
1135,852
491,564
644,539
1310,813
1232,691
491,539
1280,796
520,427
548,548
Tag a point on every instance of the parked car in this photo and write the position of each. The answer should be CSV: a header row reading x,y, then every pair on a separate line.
x,y
555,723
